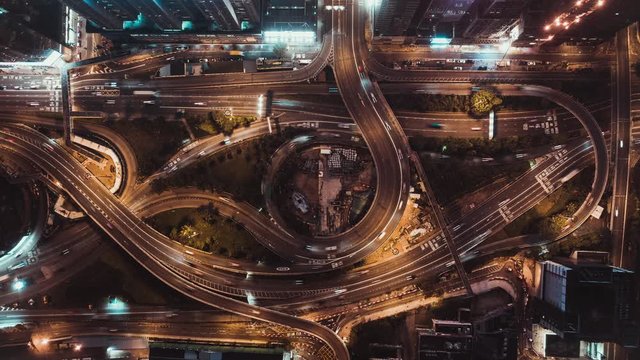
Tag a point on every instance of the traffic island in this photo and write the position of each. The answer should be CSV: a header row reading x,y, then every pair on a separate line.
x,y
320,189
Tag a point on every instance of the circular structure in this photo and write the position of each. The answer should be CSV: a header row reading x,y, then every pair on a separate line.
x,y
321,189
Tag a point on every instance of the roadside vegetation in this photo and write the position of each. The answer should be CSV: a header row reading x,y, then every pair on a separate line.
x,y
153,140
482,147
483,101
205,229
551,215
462,103
216,122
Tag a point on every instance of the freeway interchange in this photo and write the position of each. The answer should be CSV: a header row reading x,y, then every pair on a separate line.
x,y
277,295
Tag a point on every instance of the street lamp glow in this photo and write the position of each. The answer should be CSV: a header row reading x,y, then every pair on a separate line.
x,y
374,3
19,285
115,305
440,41
260,105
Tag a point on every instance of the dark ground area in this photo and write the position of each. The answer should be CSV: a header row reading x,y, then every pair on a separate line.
x,y
153,140
14,203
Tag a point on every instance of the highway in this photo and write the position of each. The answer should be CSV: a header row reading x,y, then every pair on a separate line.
x,y
620,147
382,72
219,282
128,231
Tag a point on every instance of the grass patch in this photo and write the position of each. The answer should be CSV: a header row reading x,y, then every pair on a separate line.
x,y
452,178
154,141
205,229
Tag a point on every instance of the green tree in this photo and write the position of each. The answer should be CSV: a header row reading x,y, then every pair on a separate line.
x,y
484,101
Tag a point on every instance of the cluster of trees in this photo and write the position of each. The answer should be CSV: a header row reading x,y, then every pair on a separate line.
x,y
216,122
483,101
207,230
238,171
249,161
553,225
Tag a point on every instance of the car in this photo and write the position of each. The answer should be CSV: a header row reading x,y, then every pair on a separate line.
x,y
360,68
410,277
65,252
457,68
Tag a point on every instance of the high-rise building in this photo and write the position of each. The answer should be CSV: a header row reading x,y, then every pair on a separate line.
x,y
173,15
394,17
438,17
581,298
290,15
22,38
492,20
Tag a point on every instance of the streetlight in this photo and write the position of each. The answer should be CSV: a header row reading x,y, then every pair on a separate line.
x,y
260,105
19,285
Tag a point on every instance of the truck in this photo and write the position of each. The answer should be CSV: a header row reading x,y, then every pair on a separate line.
x,y
570,175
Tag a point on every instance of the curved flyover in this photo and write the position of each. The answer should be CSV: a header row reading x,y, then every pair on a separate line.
x,y
130,233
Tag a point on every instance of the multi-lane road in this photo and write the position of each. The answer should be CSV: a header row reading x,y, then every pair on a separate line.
x,y
620,146
219,282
